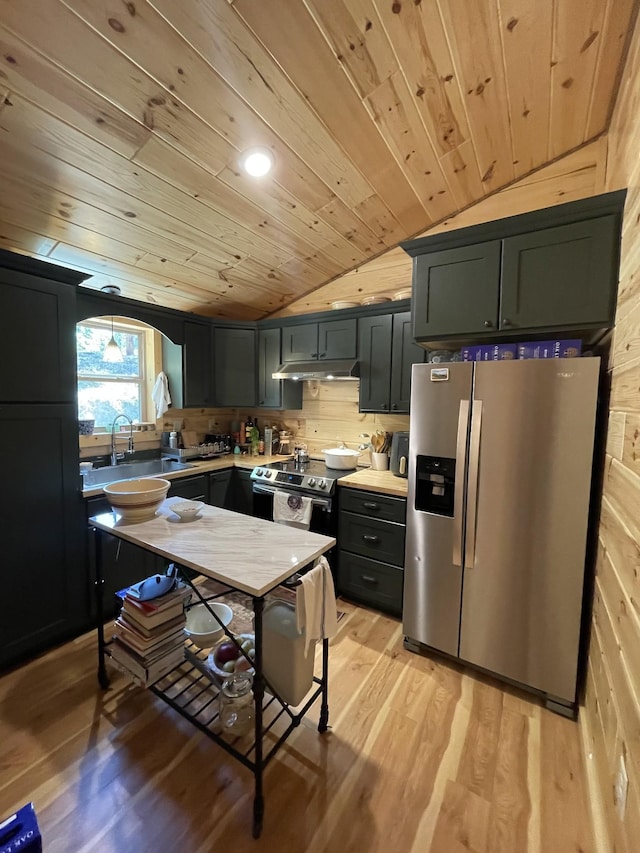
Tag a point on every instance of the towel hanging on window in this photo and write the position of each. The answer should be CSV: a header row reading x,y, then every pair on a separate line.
x,y
160,394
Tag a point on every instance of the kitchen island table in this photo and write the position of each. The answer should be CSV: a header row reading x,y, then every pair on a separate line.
x,y
243,554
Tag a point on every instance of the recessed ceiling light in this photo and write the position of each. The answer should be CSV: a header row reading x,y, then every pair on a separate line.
x,y
257,162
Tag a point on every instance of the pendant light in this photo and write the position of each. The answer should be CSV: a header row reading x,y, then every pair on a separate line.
x,y
112,352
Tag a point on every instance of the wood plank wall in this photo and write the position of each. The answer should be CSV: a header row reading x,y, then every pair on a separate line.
x,y
611,718
578,175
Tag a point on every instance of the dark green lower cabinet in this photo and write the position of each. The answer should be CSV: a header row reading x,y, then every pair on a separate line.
x,y
370,582
219,483
122,563
371,537
240,495
191,488
44,597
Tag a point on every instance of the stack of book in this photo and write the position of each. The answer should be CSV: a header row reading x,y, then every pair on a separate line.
x,y
148,636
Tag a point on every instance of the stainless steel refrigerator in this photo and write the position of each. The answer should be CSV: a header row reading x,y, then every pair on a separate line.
x,y
500,466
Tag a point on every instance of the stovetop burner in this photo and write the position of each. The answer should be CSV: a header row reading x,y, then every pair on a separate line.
x,y
313,468
309,476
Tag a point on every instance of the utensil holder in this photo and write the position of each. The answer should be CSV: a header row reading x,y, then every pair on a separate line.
x,y
379,461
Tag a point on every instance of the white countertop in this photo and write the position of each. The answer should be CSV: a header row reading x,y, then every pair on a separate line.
x,y
247,553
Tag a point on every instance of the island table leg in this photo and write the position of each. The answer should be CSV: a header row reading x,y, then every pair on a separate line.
x,y
258,695
103,678
324,707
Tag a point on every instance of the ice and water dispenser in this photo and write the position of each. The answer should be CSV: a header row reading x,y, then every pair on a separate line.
x,y
435,482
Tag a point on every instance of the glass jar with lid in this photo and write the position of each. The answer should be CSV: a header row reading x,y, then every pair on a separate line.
x,y
236,704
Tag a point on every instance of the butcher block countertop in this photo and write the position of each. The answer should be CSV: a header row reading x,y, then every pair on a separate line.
x,y
249,554
383,482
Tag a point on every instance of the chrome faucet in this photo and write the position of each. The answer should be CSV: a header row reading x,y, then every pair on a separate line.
x,y
115,456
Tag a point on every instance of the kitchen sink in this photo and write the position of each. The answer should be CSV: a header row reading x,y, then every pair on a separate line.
x,y
132,470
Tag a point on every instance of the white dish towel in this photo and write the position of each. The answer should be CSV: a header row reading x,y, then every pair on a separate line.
x,y
316,612
160,394
294,510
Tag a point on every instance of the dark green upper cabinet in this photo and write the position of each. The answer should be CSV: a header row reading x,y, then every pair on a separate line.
x,y
404,354
374,355
546,271
310,341
38,348
188,367
234,364
386,352
560,276
196,360
274,393
456,291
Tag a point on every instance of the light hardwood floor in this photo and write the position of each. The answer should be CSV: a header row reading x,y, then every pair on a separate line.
x,y
421,757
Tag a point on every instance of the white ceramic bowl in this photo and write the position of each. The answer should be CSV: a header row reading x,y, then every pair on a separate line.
x,y
341,458
137,500
343,303
187,510
202,628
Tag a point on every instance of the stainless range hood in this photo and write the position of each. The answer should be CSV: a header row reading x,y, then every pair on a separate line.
x,y
332,369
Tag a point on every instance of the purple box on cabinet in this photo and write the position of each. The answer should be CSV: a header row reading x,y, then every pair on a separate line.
x,y
473,353
20,833
550,349
499,352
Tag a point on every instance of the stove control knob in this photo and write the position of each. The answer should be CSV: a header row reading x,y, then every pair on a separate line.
x,y
312,482
259,472
267,473
322,484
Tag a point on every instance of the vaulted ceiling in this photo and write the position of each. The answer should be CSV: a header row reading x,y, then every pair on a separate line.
x,y
122,122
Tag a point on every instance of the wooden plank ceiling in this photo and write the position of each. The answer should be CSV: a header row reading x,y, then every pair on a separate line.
x,y
122,122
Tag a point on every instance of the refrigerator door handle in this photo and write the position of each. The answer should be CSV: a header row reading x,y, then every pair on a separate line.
x,y
472,492
458,494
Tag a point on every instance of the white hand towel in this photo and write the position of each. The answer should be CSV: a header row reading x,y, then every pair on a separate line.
x,y
294,510
316,610
160,394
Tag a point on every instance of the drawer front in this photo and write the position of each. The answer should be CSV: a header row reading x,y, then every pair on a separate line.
x,y
373,505
380,540
370,582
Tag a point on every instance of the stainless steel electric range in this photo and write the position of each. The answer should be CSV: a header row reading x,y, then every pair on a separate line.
x,y
312,478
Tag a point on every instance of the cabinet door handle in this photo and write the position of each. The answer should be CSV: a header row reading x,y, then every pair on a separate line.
x,y
506,321
488,324
394,406
314,355
322,355
369,538
368,579
383,405
370,505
